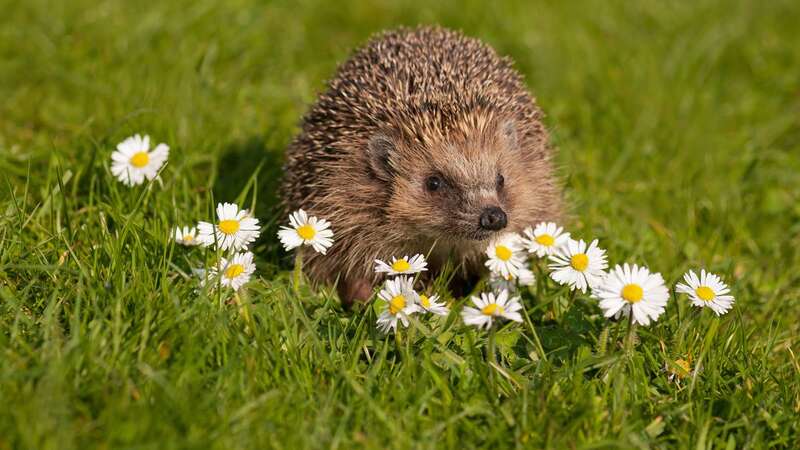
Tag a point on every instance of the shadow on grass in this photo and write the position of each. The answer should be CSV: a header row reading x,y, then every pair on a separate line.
x,y
240,160
562,340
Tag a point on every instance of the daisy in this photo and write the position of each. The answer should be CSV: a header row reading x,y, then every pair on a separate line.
x,y
133,161
306,230
402,301
634,289
578,266
235,228
185,236
707,290
675,374
489,307
545,239
506,256
403,265
235,272
432,305
525,277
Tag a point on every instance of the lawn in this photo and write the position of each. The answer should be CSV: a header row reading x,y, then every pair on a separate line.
x,y
678,133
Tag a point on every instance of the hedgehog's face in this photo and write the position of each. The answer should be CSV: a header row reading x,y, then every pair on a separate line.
x,y
463,188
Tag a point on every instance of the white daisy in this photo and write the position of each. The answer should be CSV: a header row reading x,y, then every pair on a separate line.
x,y
506,256
404,265
499,283
133,162
234,272
578,266
707,290
525,277
402,301
433,305
185,236
235,228
489,307
545,239
632,288
306,230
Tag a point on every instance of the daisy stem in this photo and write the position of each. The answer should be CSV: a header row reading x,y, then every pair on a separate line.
x,y
539,348
245,311
298,272
541,279
631,335
571,300
492,356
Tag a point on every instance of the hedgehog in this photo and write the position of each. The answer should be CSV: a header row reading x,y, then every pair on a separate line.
x,y
425,141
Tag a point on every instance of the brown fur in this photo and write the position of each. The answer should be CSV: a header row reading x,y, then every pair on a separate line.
x,y
442,104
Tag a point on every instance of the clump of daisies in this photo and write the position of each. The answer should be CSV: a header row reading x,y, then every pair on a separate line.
x,y
231,234
627,290
133,161
399,295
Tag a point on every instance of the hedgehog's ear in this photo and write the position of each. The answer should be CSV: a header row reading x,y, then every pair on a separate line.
x,y
379,152
508,131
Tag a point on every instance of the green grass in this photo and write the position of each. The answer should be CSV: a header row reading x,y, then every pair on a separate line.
x,y
679,143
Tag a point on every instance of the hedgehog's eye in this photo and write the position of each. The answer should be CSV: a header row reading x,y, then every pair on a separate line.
x,y
433,183
500,182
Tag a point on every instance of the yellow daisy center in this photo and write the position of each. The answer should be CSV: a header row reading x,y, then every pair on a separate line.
x,y
632,293
683,364
233,271
426,302
503,252
492,309
396,304
705,293
229,226
545,239
307,232
401,265
579,261
188,238
140,159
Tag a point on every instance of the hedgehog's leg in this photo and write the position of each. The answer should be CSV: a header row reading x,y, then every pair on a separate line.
x,y
353,290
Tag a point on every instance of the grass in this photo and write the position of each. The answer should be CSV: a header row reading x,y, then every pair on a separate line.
x,y
679,143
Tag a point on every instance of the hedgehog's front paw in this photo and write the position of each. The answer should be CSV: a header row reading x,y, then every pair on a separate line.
x,y
354,290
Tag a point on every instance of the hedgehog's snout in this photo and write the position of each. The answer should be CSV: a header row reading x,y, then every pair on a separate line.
x,y
493,218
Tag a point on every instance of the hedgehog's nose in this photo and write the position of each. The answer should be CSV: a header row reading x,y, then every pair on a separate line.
x,y
493,218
